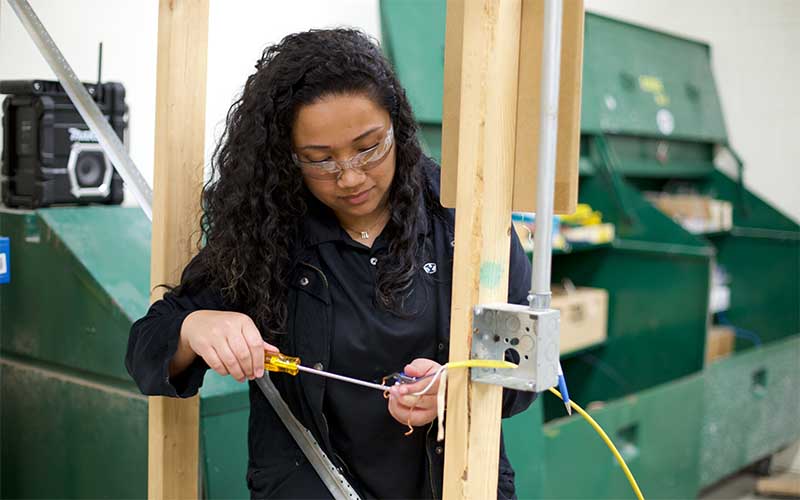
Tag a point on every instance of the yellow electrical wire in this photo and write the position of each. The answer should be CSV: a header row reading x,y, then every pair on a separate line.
x,y
481,363
489,363
608,442
442,372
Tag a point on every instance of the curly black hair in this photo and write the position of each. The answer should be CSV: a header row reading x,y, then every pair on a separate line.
x,y
255,202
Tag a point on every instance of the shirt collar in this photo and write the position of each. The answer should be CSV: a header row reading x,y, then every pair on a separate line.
x,y
320,225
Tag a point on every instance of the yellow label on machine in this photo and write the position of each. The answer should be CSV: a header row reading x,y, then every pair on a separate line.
x,y
654,85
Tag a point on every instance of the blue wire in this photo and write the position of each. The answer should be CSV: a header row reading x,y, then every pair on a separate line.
x,y
562,388
747,334
740,332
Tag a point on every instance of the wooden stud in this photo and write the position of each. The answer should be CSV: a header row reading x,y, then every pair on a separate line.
x,y
486,119
785,485
528,105
173,444
451,99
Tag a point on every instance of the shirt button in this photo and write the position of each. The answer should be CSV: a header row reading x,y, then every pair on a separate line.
x,y
304,281
373,261
441,346
318,366
439,450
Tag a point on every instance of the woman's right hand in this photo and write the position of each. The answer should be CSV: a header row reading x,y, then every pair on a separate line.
x,y
229,342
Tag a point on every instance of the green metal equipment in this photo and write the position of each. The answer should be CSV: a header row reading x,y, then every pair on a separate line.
x,y
651,121
72,423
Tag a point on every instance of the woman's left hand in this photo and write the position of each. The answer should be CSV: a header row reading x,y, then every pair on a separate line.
x,y
407,408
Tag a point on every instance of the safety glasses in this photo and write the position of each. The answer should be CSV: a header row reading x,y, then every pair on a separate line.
x,y
331,170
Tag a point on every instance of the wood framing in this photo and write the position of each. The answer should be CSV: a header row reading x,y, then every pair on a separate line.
x,y
490,127
173,449
528,105
451,99
489,32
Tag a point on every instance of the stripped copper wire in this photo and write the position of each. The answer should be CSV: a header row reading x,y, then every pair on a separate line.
x,y
408,423
386,392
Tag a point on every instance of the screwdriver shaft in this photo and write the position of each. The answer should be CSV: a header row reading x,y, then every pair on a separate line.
x,y
343,378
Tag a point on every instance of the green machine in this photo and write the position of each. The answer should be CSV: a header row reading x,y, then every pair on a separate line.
x,y
72,422
651,123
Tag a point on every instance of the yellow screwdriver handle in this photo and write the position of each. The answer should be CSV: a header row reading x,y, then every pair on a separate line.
x,y
281,363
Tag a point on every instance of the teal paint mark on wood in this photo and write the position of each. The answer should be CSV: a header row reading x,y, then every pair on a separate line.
x,y
491,272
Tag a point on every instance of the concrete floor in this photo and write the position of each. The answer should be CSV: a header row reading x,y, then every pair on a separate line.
x,y
742,486
739,487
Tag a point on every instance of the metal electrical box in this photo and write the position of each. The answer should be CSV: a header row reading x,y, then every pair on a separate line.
x,y
532,335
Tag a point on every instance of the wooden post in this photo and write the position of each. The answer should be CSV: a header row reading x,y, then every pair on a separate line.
x,y
177,179
489,35
528,102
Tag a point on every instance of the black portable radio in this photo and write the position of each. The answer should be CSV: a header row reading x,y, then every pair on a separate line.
x,y
49,154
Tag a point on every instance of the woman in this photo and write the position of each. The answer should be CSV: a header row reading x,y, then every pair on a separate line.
x,y
324,239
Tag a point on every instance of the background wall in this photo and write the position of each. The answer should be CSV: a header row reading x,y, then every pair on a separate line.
x,y
238,32
754,45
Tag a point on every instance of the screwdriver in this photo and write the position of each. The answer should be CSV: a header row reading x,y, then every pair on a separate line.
x,y
291,365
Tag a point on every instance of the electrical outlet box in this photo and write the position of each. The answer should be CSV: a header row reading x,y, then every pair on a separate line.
x,y
533,335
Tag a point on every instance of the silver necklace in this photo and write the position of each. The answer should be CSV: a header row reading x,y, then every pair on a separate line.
x,y
364,234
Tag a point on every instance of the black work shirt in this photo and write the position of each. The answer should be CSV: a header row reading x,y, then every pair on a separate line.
x,y
277,467
368,343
